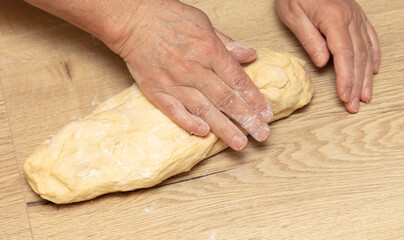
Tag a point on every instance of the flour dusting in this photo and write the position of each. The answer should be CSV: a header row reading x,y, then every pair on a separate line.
x,y
213,236
149,209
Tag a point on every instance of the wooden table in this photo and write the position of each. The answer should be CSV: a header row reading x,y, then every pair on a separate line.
x,y
323,174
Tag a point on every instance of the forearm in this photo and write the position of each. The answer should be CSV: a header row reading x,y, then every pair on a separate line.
x,y
105,19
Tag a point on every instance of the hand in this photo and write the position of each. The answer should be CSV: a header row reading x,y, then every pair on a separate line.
x,y
339,27
192,72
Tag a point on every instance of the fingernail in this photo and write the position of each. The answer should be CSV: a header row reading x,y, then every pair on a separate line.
x,y
233,44
368,94
253,56
239,142
203,129
319,58
242,53
266,115
263,133
347,95
355,105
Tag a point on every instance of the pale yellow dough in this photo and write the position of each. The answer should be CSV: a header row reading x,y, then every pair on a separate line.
x,y
127,143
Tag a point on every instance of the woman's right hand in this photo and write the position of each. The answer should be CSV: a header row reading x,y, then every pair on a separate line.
x,y
192,72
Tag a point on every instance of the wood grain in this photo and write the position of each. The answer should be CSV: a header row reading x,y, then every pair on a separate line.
x,y
65,75
323,174
14,223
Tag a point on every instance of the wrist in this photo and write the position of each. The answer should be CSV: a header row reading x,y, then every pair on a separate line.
x,y
120,22
109,21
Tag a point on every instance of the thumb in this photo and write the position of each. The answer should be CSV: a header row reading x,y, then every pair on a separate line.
x,y
241,53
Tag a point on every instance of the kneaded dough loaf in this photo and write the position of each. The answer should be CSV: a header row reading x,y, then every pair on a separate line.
x,y
127,143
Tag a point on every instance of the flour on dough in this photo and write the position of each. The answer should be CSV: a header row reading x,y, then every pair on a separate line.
x,y
127,143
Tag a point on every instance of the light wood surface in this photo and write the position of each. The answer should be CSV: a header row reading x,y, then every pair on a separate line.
x,y
323,174
14,223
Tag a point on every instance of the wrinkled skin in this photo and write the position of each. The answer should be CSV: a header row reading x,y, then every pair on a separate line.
x,y
192,73
340,28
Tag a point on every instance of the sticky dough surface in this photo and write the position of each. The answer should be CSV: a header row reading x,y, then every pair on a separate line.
x,y
127,143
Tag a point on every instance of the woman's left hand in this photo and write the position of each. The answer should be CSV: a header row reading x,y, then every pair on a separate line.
x,y
339,27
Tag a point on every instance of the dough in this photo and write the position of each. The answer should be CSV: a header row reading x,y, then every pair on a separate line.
x,y
127,143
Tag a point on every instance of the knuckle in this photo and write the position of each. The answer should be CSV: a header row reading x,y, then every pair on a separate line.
x,y
170,108
236,77
370,50
156,82
307,40
336,11
210,45
238,81
199,13
347,52
185,67
355,15
248,122
291,13
202,109
201,85
361,54
226,100
294,8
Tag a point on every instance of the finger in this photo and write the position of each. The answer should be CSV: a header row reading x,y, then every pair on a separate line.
x,y
360,62
241,53
171,107
220,125
234,76
310,38
375,45
180,115
228,101
340,44
366,93
176,111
